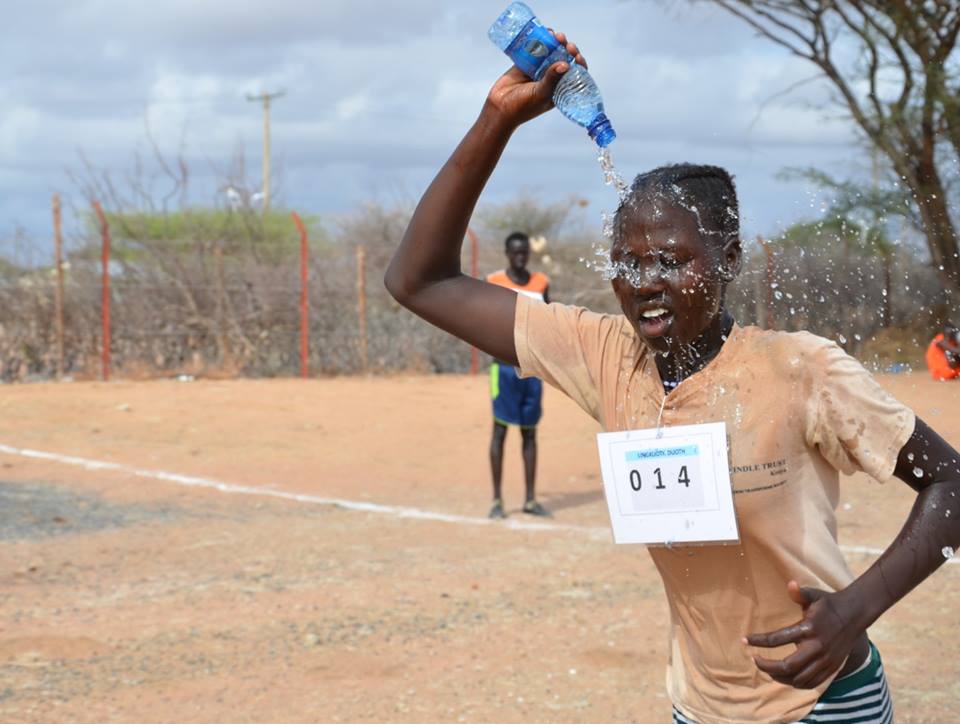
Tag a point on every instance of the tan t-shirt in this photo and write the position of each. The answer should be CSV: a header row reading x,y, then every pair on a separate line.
x,y
799,411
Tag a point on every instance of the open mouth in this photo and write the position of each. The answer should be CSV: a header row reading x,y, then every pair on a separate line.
x,y
655,322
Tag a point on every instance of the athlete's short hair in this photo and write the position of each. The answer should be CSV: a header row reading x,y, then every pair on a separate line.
x,y
708,191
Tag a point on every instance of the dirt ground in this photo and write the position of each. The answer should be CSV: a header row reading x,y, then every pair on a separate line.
x,y
129,595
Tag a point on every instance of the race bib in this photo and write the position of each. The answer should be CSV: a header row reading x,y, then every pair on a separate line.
x,y
669,486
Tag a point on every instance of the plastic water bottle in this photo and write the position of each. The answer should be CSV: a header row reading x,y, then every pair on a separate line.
x,y
533,49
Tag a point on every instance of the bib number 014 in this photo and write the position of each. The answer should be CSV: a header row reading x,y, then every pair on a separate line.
x,y
669,485
636,482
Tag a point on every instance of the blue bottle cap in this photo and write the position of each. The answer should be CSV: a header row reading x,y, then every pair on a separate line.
x,y
601,131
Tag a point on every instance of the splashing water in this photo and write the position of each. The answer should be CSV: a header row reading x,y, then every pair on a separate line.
x,y
797,284
607,224
612,177
601,262
674,196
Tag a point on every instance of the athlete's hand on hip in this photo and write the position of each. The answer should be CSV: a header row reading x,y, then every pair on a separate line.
x,y
518,99
824,639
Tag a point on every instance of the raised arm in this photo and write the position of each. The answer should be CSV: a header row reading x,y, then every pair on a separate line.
x,y
424,274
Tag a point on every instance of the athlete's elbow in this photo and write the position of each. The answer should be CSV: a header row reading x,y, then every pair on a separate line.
x,y
402,286
393,281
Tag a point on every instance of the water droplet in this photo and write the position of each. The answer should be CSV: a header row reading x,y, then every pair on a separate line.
x,y
947,552
918,472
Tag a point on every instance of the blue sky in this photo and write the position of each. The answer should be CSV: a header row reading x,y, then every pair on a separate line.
x,y
378,94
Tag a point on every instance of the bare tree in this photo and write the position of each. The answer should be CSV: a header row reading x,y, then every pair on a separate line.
x,y
902,90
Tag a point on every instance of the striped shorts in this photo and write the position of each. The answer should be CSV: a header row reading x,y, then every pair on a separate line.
x,y
862,697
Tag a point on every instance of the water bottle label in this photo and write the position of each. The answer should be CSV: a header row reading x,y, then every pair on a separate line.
x,y
531,48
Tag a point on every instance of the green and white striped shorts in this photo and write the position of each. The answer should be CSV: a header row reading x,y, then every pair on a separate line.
x,y
861,697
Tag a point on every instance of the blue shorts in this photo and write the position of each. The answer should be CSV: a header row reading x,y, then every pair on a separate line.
x,y
515,401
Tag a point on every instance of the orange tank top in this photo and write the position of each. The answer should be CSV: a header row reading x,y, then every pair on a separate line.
x,y
534,288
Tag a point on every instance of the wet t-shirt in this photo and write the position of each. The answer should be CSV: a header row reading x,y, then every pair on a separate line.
x,y
799,411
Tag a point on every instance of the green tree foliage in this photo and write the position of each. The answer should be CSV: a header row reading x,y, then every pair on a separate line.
x,y
137,235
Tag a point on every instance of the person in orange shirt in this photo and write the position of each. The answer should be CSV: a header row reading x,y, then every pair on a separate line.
x,y
943,354
516,401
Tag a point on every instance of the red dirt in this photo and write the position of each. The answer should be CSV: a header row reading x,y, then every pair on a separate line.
x,y
191,604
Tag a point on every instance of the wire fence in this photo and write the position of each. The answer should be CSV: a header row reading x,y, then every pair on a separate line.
x,y
250,303
219,308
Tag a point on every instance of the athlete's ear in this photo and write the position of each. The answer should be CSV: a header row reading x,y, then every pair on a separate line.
x,y
732,259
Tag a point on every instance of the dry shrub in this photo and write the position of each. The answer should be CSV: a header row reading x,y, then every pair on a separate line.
x,y
215,293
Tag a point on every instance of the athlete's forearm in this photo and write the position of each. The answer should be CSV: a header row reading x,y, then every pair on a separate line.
x,y
430,250
927,539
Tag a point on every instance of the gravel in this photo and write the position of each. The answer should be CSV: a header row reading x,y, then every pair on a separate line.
x,y
29,511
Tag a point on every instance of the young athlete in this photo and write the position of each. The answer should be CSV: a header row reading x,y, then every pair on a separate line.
x,y
516,400
773,629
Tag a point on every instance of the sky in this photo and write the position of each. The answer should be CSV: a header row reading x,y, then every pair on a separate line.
x,y
377,95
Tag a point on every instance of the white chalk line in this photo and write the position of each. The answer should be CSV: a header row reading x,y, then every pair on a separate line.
x,y
397,511
232,488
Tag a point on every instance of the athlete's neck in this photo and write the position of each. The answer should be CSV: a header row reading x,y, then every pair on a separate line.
x,y
678,365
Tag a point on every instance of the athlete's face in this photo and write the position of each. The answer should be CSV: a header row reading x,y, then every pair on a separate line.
x,y
672,273
518,254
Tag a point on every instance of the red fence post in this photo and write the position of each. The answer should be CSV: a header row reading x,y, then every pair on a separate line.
x,y
304,299
474,357
105,286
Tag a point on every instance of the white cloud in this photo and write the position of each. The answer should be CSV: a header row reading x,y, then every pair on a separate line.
x,y
379,93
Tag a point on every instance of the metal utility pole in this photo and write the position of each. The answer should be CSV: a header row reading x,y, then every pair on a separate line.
x,y
265,98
